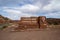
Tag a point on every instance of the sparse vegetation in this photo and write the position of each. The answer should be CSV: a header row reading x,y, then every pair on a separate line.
x,y
53,21
4,25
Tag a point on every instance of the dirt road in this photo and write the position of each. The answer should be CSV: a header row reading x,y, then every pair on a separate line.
x,y
31,35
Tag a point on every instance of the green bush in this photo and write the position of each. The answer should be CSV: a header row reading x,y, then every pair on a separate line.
x,y
2,26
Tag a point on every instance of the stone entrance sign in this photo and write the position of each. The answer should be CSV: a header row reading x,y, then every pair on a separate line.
x,y
34,22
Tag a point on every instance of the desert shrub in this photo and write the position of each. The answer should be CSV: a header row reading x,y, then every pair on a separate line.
x,y
55,23
4,26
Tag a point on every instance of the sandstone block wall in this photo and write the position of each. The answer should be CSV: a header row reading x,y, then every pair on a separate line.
x,y
33,22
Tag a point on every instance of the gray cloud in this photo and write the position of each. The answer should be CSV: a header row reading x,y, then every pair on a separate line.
x,y
21,2
47,8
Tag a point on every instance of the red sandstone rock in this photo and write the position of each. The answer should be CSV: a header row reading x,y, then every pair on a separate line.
x,y
34,22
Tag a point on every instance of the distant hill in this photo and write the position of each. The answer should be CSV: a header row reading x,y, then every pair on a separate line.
x,y
4,19
55,21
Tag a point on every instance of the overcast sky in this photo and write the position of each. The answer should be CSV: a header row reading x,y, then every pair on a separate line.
x,y
14,9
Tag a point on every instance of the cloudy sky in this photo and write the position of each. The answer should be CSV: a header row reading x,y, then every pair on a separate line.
x,y
14,9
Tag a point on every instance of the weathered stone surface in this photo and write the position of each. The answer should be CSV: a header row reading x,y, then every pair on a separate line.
x,y
42,22
33,22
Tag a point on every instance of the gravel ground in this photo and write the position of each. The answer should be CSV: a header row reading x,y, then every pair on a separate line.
x,y
31,35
